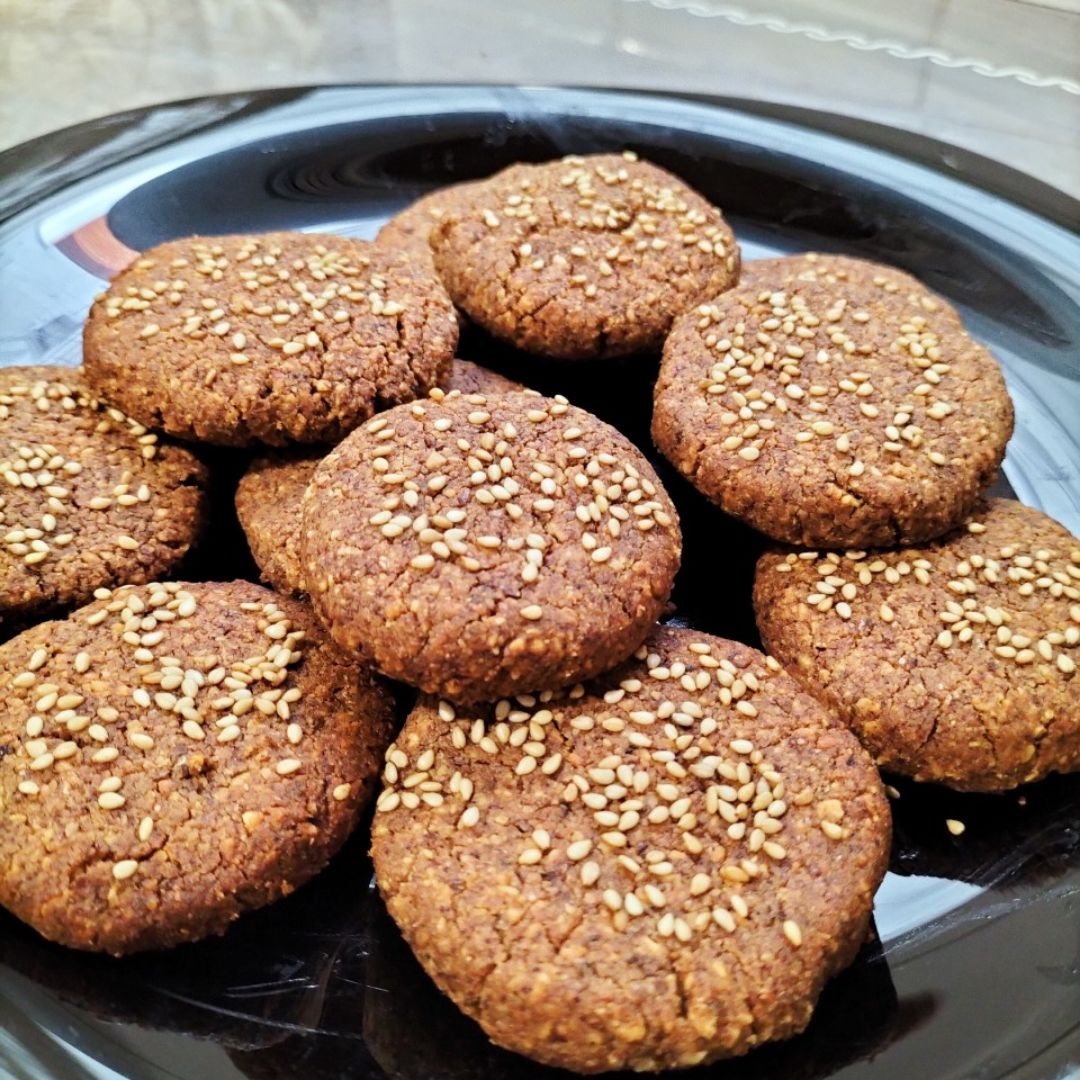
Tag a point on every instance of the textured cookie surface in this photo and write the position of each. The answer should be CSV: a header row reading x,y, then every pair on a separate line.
x,y
269,494
583,257
953,662
480,545
268,500
471,378
89,497
281,337
173,755
832,402
410,229
655,870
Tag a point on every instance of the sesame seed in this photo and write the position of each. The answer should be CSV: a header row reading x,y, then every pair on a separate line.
x,y
578,850
124,869
792,932
723,919
192,729
954,826
532,612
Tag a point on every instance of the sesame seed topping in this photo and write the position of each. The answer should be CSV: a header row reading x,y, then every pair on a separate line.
x,y
991,589
669,803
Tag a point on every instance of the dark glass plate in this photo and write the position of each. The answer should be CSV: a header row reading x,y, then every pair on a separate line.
x,y
975,967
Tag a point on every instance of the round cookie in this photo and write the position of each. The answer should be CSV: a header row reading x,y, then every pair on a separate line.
x,y
89,497
278,338
836,407
814,267
477,546
410,229
471,378
655,870
268,500
269,494
175,755
954,662
584,257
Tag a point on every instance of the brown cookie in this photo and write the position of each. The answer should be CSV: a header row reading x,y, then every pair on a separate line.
x,y
410,229
476,546
471,378
89,497
583,257
269,494
953,662
268,500
278,338
655,870
175,755
834,408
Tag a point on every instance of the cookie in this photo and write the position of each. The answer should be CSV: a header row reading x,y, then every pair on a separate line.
x,y
410,229
477,546
471,378
174,755
655,870
278,338
953,662
268,501
840,408
89,497
269,494
584,257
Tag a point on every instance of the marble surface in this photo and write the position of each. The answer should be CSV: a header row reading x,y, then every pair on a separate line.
x,y
1000,77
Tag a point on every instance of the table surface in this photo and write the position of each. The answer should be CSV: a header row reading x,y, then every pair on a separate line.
x,y
999,77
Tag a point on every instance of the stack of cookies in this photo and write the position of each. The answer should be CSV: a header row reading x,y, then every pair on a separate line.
x,y
840,408
614,843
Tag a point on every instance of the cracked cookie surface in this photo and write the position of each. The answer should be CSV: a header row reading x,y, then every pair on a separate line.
x,y
954,662
656,869
172,755
475,545
269,494
88,497
583,257
275,338
832,402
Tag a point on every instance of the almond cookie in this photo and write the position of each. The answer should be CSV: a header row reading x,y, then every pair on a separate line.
x,y
655,870
832,402
583,257
278,338
90,498
269,494
175,755
478,545
954,662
